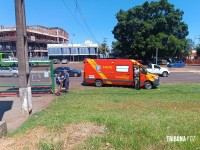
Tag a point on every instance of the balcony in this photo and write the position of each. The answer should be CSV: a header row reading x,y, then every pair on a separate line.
x,y
13,38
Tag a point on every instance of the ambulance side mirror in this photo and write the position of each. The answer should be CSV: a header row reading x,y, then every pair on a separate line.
x,y
144,72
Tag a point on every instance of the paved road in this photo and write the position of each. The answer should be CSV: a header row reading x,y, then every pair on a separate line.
x,y
181,77
173,78
189,74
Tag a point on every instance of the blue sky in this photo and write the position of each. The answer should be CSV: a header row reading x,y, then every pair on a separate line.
x,y
98,15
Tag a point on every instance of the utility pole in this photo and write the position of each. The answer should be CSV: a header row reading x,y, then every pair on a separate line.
x,y
22,54
156,56
105,44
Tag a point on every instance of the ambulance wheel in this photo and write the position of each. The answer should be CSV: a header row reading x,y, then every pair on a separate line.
x,y
98,83
148,85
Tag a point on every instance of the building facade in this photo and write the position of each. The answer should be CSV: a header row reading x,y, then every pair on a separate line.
x,y
37,37
73,52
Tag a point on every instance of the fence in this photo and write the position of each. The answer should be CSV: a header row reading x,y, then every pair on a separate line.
x,y
41,77
193,61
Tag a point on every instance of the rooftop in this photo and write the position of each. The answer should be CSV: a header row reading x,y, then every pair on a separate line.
x,y
50,31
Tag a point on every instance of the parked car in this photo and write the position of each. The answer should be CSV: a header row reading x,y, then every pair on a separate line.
x,y
56,61
72,72
155,69
162,62
64,61
176,64
9,72
61,69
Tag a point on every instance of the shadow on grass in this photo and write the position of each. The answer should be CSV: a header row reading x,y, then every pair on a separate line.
x,y
121,86
5,106
34,90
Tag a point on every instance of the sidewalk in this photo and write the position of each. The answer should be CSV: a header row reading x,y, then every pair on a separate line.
x,y
184,70
10,109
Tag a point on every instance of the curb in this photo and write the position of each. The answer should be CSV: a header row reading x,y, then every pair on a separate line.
x,y
3,129
193,71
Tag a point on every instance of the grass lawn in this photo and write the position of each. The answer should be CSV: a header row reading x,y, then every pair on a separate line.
x,y
133,119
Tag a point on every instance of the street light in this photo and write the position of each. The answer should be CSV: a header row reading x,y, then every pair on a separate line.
x,y
156,55
72,46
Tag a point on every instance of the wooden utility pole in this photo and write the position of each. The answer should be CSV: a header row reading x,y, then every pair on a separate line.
x,y
22,55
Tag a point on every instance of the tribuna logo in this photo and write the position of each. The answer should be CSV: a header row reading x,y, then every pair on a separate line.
x,y
180,138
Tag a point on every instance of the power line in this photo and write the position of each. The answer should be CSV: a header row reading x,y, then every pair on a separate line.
x,y
75,17
84,20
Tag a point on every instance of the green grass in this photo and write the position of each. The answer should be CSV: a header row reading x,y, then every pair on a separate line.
x,y
135,119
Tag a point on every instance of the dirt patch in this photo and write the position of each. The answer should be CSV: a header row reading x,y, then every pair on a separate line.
x,y
70,137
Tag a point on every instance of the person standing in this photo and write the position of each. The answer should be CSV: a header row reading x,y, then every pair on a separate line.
x,y
66,80
58,83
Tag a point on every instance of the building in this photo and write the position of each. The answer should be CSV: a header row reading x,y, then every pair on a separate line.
x,y
37,36
193,54
73,52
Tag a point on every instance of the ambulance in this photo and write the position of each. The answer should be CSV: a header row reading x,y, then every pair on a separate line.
x,y
123,72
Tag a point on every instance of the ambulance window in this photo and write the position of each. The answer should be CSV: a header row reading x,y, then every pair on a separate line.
x,y
122,68
143,70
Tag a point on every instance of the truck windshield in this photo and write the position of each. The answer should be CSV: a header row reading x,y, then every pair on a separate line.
x,y
149,66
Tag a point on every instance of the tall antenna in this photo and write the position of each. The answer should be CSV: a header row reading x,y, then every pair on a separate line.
x,y
196,40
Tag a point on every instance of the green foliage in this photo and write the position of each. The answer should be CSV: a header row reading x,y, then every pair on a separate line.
x,y
103,48
141,30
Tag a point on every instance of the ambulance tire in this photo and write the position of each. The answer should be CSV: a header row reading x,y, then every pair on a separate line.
x,y
148,85
98,83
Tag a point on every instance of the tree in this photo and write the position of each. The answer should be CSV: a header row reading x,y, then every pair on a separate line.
x,y
142,29
103,48
116,50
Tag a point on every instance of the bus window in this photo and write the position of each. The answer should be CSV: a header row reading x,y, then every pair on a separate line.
x,y
3,56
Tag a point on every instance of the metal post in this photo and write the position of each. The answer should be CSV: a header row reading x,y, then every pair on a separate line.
x,y
156,55
73,52
105,44
22,54
52,77
72,46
